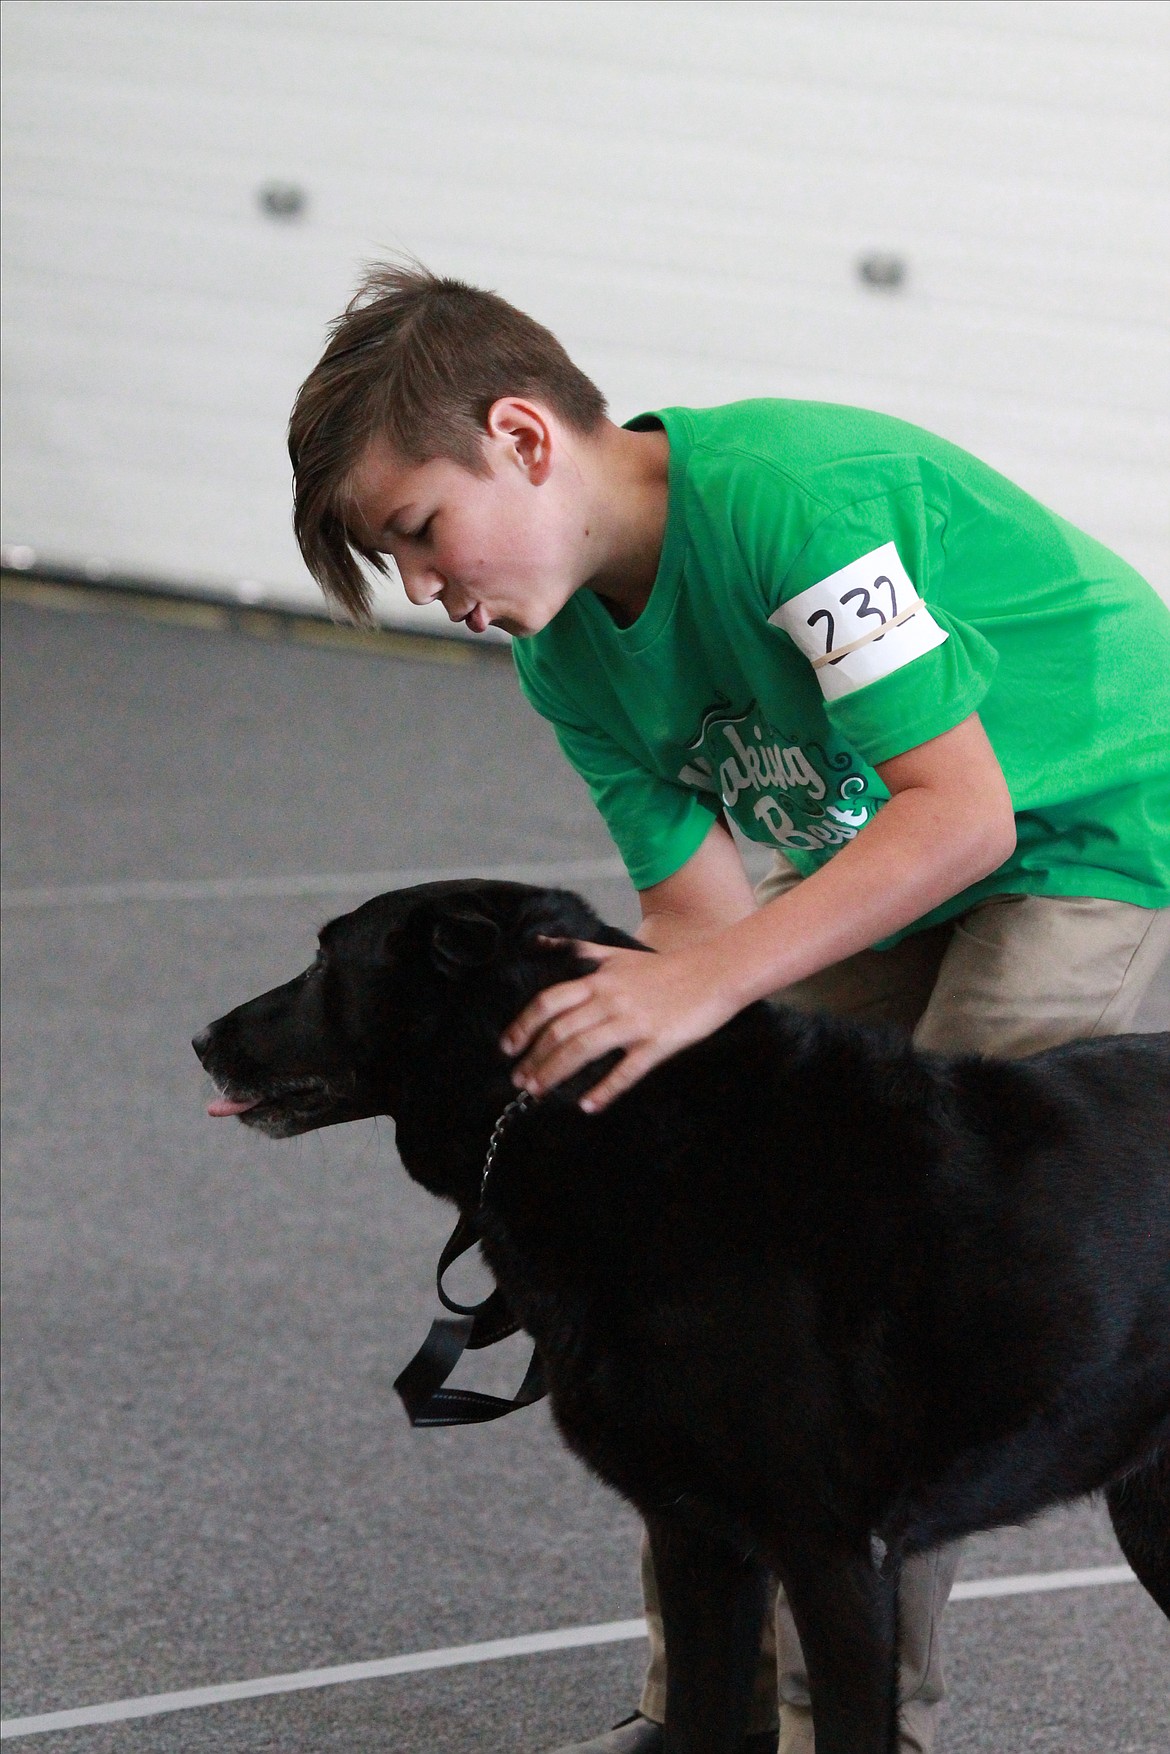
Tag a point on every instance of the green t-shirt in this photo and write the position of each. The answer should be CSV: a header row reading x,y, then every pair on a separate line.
x,y
836,587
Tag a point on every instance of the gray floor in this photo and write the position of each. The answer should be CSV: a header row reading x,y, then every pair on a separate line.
x,y
206,1473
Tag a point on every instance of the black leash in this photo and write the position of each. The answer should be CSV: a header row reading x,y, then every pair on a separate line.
x,y
475,1326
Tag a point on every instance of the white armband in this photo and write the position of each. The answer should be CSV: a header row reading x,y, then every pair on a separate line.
x,y
860,623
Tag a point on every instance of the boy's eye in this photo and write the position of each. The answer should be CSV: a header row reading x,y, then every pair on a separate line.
x,y
423,531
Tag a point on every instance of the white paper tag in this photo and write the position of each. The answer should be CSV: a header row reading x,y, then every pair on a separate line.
x,y
857,601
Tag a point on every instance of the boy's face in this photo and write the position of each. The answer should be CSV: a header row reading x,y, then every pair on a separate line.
x,y
501,549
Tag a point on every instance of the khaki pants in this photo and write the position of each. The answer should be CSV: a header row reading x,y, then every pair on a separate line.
x,y
1015,975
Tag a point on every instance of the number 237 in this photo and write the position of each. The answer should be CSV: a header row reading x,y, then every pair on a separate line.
x,y
867,607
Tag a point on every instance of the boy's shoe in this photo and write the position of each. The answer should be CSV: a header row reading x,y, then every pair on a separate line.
x,y
641,1735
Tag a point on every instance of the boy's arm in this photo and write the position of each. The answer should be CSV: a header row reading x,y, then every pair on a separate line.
x,y
709,893
949,821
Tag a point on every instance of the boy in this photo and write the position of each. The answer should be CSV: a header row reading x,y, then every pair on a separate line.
x,y
946,710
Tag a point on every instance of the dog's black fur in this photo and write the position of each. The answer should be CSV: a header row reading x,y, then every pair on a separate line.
x,y
804,1295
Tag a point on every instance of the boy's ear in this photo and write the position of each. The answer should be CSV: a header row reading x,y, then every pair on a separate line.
x,y
463,938
526,427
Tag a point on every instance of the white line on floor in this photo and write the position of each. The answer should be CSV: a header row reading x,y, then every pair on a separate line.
x,y
456,1656
1032,1582
308,883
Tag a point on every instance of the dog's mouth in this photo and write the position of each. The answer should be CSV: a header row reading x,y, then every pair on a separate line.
x,y
296,1105
219,1106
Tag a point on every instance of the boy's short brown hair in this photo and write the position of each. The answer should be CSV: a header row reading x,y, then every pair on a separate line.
x,y
416,360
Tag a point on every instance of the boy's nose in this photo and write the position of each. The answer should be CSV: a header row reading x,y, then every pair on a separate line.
x,y
423,586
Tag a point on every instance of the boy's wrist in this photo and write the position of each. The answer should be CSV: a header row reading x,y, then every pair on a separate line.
x,y
729,971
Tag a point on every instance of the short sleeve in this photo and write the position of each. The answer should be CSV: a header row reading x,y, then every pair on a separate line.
x,y
864,603
656,826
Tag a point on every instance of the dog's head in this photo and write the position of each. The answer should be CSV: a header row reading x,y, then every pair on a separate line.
x,y
417,983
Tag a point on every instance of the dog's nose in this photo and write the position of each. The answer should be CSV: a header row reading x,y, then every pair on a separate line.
x,y
201,1042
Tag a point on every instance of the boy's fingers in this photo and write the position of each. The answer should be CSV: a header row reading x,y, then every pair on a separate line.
x,y
624,1075
583,946
574,1052
523,1030
547,1005
598,952
558,1042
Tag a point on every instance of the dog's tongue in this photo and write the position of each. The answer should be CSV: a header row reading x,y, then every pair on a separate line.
x,y
223,1105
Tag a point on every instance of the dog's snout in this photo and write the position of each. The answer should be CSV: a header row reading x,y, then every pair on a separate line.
x,y
201,1042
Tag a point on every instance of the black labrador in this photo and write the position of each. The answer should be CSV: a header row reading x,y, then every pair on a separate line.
x,y
811,1300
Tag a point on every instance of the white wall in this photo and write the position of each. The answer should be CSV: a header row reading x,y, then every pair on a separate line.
x,y
681,190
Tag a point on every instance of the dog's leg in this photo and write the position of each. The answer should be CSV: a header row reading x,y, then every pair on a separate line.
x,y
1139,1504
846,1613
713,1603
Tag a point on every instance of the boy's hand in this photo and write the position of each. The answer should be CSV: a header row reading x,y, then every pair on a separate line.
x,y
949,821
650,1006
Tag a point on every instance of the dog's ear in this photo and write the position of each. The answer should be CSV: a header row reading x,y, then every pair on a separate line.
x,y
464,937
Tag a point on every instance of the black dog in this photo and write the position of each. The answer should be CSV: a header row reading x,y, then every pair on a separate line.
x,y
811,1300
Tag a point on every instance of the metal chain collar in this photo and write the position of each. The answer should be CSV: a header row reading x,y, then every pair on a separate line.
x,y
517,1106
